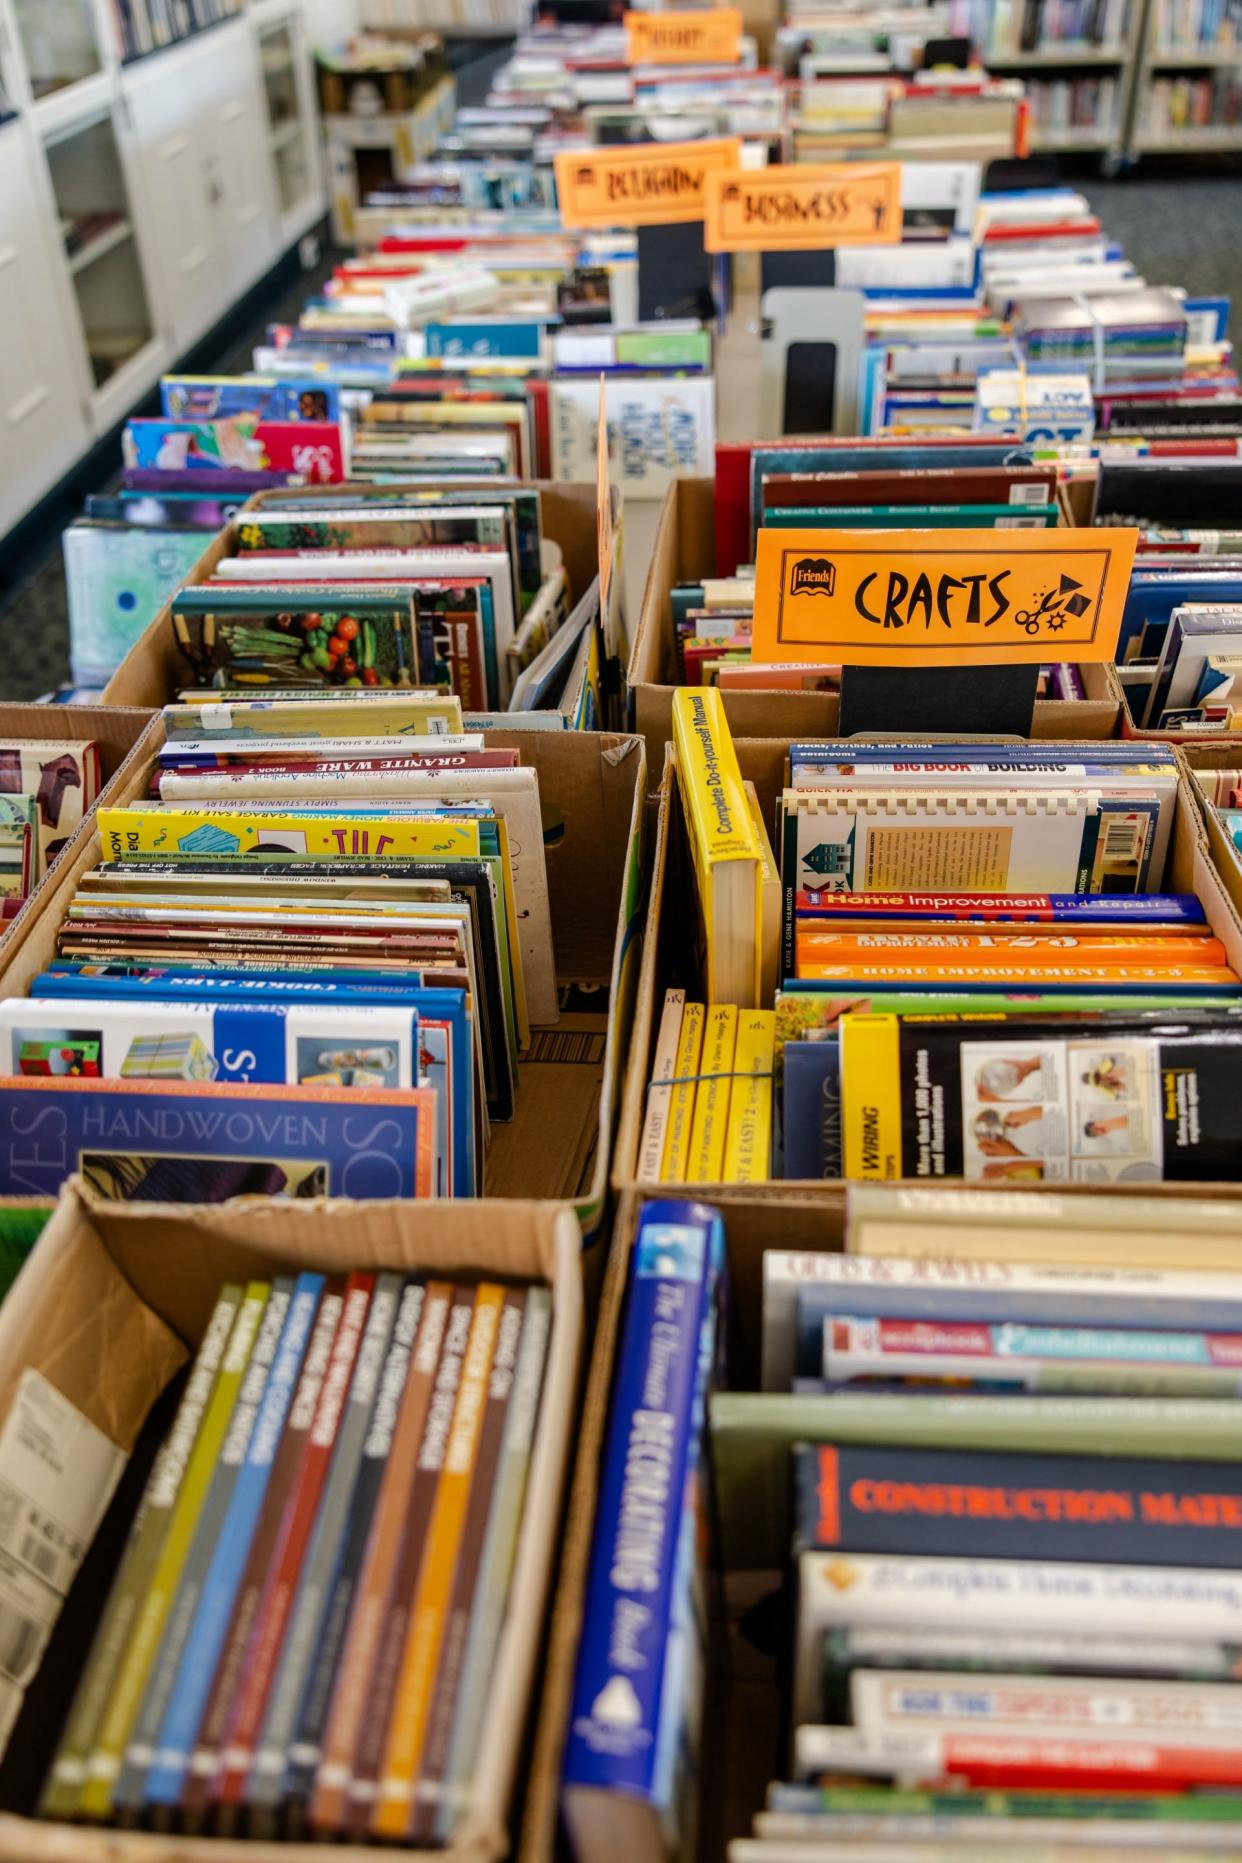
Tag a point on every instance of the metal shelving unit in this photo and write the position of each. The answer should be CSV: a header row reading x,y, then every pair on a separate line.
x,y
1163,69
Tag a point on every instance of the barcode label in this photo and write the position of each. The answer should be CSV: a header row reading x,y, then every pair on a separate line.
x,y
57,1474
1029,494
579,1048
1120,839
1020,523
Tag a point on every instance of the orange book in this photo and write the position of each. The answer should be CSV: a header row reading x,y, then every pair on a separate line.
x,y
403,1423
916,945
1004,974
395,1804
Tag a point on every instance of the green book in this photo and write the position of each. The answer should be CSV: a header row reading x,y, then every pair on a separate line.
x,y
146,1541
125,1694
753,1432
20,1228
910,517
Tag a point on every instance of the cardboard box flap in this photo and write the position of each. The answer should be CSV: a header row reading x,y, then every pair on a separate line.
x,y
176,1256
63,1339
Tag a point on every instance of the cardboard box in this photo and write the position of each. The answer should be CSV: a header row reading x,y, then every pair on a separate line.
x,y
741,1751
593,796
685,551
109,1308
153,670
117,731
671,907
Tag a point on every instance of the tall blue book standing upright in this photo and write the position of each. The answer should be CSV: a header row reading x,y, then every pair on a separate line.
x,y
629,1776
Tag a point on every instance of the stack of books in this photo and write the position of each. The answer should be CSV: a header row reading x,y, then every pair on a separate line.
x,y
301,1634
315,970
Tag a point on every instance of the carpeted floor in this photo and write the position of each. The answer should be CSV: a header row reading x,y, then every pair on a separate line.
x,y
1177,228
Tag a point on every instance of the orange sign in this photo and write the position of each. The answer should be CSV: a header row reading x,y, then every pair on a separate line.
x,y
937,598
648,184
804,208
705,35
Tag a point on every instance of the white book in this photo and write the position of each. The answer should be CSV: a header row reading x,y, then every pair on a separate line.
x,y
1171,1713
969,840
660,428
913,1288
837,1589
663,1068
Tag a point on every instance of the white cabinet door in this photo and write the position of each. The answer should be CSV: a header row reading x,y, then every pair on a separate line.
x,y
226,78
43,426
169,127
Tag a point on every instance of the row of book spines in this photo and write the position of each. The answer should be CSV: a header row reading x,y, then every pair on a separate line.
x,y
469,1369
718,1098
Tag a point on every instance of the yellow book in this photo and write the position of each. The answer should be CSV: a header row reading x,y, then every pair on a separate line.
x,y
124,833
871,1116
748,1153
711,1103
726,856
771,900
681,1098
425,1632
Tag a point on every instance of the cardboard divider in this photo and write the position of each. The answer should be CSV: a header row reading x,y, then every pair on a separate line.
x,y
593,798
684,551
743,1730
111,1304
667,955
153,669
118,732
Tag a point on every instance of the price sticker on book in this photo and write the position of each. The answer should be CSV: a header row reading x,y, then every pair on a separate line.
x,y
804,208
704,35
904,598
648,184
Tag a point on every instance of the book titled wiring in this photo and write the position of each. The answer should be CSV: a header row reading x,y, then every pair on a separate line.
x,y
1113,1098
636,1705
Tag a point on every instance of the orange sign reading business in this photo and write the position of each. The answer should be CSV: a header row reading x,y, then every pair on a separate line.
x,y
702,35
804,208
907,598
647,184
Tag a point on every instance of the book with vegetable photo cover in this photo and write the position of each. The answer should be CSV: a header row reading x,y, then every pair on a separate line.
x,y
294,637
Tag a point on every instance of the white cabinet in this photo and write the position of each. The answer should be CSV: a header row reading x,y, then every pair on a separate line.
x,y
292,126
198,123
43,424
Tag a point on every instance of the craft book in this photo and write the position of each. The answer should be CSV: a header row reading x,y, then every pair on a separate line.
x,y
1115,1098
202,1142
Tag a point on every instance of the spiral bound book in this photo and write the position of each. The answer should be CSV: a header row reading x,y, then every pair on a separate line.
x,y
1071,841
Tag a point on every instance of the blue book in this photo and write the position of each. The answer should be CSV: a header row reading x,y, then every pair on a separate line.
x,y
214,397
194,1141
448,1065
634,1722
811,1109
215,1605
1120,909
140,1749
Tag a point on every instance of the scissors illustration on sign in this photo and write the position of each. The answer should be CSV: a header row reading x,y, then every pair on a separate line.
x,y
1053,610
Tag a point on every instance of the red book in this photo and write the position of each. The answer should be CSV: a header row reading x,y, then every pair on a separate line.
x,y
289,1550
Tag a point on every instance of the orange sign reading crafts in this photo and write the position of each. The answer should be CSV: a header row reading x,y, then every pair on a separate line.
x,y
939,598
648,184
804,207
707,35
